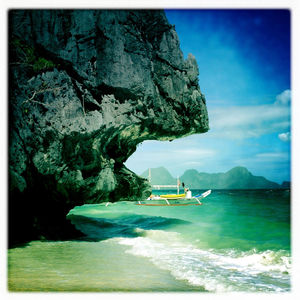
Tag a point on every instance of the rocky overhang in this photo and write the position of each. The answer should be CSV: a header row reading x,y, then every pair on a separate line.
x,y
85,88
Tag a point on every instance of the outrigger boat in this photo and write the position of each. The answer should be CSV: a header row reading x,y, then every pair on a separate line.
x,y
174,199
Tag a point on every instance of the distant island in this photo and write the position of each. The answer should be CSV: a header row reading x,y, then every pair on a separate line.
x,y
236,178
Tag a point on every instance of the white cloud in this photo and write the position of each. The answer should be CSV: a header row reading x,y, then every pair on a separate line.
x,y
265,157
191,164
169,156
284,98
193,153
285,136
185,153
272,156
239,122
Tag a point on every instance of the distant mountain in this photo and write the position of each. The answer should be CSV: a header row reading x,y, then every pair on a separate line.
x,y
159,176
236,178
286,185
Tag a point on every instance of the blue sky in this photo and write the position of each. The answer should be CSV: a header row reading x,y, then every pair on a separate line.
x,y
244,63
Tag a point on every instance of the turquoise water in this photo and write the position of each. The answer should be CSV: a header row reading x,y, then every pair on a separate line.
x,y
235,241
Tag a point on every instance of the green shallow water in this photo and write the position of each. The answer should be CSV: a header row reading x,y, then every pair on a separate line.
x,y
236,241
85,266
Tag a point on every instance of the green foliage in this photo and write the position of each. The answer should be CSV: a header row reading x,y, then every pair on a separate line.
x,y
25,54
42,64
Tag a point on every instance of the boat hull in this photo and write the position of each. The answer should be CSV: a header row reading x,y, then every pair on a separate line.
x,y
173,196
173,200
165,204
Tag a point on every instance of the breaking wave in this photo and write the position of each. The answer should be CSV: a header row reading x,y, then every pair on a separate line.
x,y
214,270
126,225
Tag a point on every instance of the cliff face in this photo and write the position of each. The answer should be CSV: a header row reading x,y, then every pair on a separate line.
x,y
86,87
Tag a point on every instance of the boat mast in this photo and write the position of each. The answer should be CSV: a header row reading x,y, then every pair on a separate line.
x,y
158,186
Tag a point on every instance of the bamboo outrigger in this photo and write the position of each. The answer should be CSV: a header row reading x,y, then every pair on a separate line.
x,y
173,199
180,199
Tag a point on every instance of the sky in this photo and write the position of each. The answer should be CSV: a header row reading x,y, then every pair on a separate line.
x,y
244,64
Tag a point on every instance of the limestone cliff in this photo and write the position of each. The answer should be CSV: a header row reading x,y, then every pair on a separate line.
x,y
235,178
86,87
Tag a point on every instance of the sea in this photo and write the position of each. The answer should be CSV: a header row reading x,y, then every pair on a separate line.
x,y
237,241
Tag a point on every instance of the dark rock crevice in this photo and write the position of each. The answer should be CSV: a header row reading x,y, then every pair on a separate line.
x,y
164,61
86,87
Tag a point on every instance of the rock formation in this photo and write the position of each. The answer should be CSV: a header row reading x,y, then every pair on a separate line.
x,y
85,88
235,178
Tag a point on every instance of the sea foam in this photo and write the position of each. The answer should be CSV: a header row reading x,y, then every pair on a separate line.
x,y
214,270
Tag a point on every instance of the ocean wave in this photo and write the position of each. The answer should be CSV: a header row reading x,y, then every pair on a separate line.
x,y
125,225
214,270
